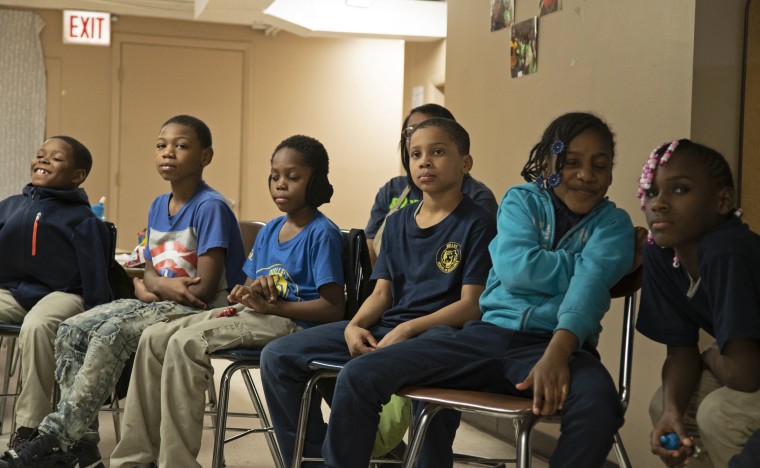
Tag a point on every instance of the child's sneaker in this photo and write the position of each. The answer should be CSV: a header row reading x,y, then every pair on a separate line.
x,y
42,451
87,455
21,436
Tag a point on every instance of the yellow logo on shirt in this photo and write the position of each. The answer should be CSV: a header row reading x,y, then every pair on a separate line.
x,y
448,257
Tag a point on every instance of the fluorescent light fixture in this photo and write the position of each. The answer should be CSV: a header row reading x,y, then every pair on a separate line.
x,y
400,19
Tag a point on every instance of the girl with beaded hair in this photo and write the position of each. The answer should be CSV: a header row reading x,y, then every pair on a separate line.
x,y
701,271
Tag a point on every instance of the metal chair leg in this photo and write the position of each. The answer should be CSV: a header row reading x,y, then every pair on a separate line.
x,y
418,437
304,415
620,452
264,419
523,429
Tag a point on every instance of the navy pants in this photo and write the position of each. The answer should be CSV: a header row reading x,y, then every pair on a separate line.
x,y
481,356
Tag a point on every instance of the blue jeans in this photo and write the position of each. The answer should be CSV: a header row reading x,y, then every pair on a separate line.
x,y
91,349
481,356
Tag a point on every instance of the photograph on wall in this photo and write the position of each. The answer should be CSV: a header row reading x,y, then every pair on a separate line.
x,y
524,48
502,14
548,6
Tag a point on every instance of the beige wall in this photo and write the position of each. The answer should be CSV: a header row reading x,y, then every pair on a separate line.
x,y
632,63
345,92
425,65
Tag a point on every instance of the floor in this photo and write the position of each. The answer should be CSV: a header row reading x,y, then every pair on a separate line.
x,y
252,451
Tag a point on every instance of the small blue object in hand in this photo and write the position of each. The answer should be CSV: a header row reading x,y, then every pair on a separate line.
x,y
670,441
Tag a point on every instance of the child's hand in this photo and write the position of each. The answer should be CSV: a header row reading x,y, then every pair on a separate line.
x,y
265,286
397,335
249,297
550,380
359,340
142,293
679,456
237,293
177,290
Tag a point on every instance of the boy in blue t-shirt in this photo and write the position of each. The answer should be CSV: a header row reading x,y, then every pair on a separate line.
x,y
194,253
54,254
295,279
431,273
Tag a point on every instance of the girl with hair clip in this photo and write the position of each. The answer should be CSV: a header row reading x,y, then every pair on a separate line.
x,y
702,271
561,245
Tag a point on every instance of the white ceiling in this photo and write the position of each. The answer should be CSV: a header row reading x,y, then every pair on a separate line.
x,y
416,20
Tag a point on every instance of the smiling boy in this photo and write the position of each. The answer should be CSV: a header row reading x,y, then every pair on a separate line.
x,y
54,266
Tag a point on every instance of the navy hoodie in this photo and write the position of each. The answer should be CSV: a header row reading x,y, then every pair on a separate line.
x,y
51,241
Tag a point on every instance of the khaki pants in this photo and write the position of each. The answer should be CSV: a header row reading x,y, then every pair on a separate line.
x,y
719,419
38,329
163,416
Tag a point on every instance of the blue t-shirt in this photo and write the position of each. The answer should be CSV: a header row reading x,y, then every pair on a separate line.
x,y
204,222
387,197
726,303
427,267
301,265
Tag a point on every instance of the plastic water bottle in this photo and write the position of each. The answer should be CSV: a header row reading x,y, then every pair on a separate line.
x,y
100,208
670,441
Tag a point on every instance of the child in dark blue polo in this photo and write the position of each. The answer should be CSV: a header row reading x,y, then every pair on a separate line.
x,y
54,254
431,273
702,274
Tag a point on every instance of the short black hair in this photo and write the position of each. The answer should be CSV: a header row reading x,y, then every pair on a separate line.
x,y
431,110
453,129
79,152
199,127
314,152
564,128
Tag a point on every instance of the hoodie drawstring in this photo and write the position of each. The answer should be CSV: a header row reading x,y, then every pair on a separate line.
x,y
34,233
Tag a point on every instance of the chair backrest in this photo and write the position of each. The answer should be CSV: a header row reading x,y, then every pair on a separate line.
x,y
249,230
120,285
627,288
357,269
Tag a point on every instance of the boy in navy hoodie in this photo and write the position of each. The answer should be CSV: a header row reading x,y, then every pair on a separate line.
x,y
54,266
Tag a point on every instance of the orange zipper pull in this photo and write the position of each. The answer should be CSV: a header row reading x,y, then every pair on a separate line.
x,y
34,233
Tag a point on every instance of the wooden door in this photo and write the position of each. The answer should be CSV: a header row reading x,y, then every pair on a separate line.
x,y
155,82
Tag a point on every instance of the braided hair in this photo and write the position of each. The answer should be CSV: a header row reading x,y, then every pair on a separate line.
x,y
558,136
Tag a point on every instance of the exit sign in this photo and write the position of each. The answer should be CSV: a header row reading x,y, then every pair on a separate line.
x,y
86,27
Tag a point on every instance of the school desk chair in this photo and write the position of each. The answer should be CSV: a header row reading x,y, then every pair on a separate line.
x,y
357,269
518,409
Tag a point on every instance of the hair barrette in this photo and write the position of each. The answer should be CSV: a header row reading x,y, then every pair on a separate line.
x,y
558,147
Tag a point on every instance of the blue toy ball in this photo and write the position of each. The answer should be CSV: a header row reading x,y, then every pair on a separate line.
x,y
670,441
